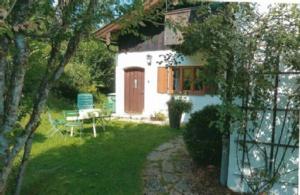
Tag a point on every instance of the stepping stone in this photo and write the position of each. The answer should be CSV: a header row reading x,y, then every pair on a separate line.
x,y
169,177
167,166
183,186
183,166
174,192
153,184
152,171
165,147
168,170
155,156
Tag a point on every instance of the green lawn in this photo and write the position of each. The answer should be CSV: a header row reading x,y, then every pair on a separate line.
x,y
109,164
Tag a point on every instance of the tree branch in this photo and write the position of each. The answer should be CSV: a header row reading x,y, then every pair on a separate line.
x,y
3,65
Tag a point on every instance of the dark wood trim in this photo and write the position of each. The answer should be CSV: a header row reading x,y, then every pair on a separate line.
x,y
180,78
131,43
266,143
191,92
278,73
282,182
134,68
269,109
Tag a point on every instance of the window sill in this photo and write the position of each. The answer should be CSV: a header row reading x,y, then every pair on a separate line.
x,y
191,93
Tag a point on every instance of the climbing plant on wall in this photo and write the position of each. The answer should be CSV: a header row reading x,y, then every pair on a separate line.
x,y
254,59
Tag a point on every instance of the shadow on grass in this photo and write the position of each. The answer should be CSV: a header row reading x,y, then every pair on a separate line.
x,y
39,137
111,163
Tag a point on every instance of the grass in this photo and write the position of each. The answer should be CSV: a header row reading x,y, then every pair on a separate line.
x,y
109,164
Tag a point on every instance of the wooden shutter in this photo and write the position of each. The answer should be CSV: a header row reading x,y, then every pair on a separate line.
x,y
162,80
171,81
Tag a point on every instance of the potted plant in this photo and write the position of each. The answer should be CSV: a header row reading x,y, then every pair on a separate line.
x,y
176,107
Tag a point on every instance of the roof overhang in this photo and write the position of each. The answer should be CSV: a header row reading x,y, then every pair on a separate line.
x,y
104,33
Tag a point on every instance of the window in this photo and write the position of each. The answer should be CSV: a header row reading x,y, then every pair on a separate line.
x,y
188,80
182,80
198,82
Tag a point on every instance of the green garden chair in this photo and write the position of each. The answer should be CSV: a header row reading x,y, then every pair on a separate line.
x,y
72,121
56,126
105,117
85,101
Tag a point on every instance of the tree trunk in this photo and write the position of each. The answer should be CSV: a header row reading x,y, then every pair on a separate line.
x,y
26,154
40,103
225,160
3,64
17,82
26,139
11,109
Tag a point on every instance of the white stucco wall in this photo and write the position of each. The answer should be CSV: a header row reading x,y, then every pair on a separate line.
x,y
288,182
154,102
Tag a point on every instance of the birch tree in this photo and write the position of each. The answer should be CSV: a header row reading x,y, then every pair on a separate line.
x,y
62,24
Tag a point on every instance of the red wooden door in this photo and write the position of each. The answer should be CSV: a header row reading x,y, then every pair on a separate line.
x,y
134,90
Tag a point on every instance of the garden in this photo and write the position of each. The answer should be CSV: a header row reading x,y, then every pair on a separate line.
x,y
248,142
111,163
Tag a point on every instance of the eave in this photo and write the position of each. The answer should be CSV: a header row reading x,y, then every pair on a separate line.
x,y
104,33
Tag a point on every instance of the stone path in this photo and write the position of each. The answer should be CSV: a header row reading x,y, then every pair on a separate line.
x,y
169,170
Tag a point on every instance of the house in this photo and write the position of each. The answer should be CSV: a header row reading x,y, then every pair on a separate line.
x,y
148,73
145,80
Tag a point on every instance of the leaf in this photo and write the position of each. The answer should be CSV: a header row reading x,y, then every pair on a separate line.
x,y
3,13
6,30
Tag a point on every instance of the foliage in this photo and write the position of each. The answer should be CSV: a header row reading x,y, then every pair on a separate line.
x,y
75,79
100,62
246,54
203,138
176,107
159,116
91,70
179,104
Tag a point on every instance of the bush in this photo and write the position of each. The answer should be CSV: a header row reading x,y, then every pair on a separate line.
x,y
75,79
203,138
158,116
176,107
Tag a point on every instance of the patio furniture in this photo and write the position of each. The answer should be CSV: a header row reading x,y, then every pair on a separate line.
x,y
85,101
73,120
56,126
93,114
106,113
87,111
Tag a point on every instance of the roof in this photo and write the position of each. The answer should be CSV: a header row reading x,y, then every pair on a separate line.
x,y
105,31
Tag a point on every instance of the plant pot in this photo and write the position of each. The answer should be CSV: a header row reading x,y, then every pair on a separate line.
x,y
174,118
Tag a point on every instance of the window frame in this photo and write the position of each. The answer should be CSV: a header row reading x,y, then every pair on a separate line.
x,y
192,91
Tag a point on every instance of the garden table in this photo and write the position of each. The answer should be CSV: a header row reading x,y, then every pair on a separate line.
x,y
85,114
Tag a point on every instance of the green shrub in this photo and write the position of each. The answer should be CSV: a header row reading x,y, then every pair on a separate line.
x,y
176,107
75,79
158,116
203,138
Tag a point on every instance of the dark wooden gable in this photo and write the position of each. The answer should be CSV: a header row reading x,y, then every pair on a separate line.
x,y
151,39
157,37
